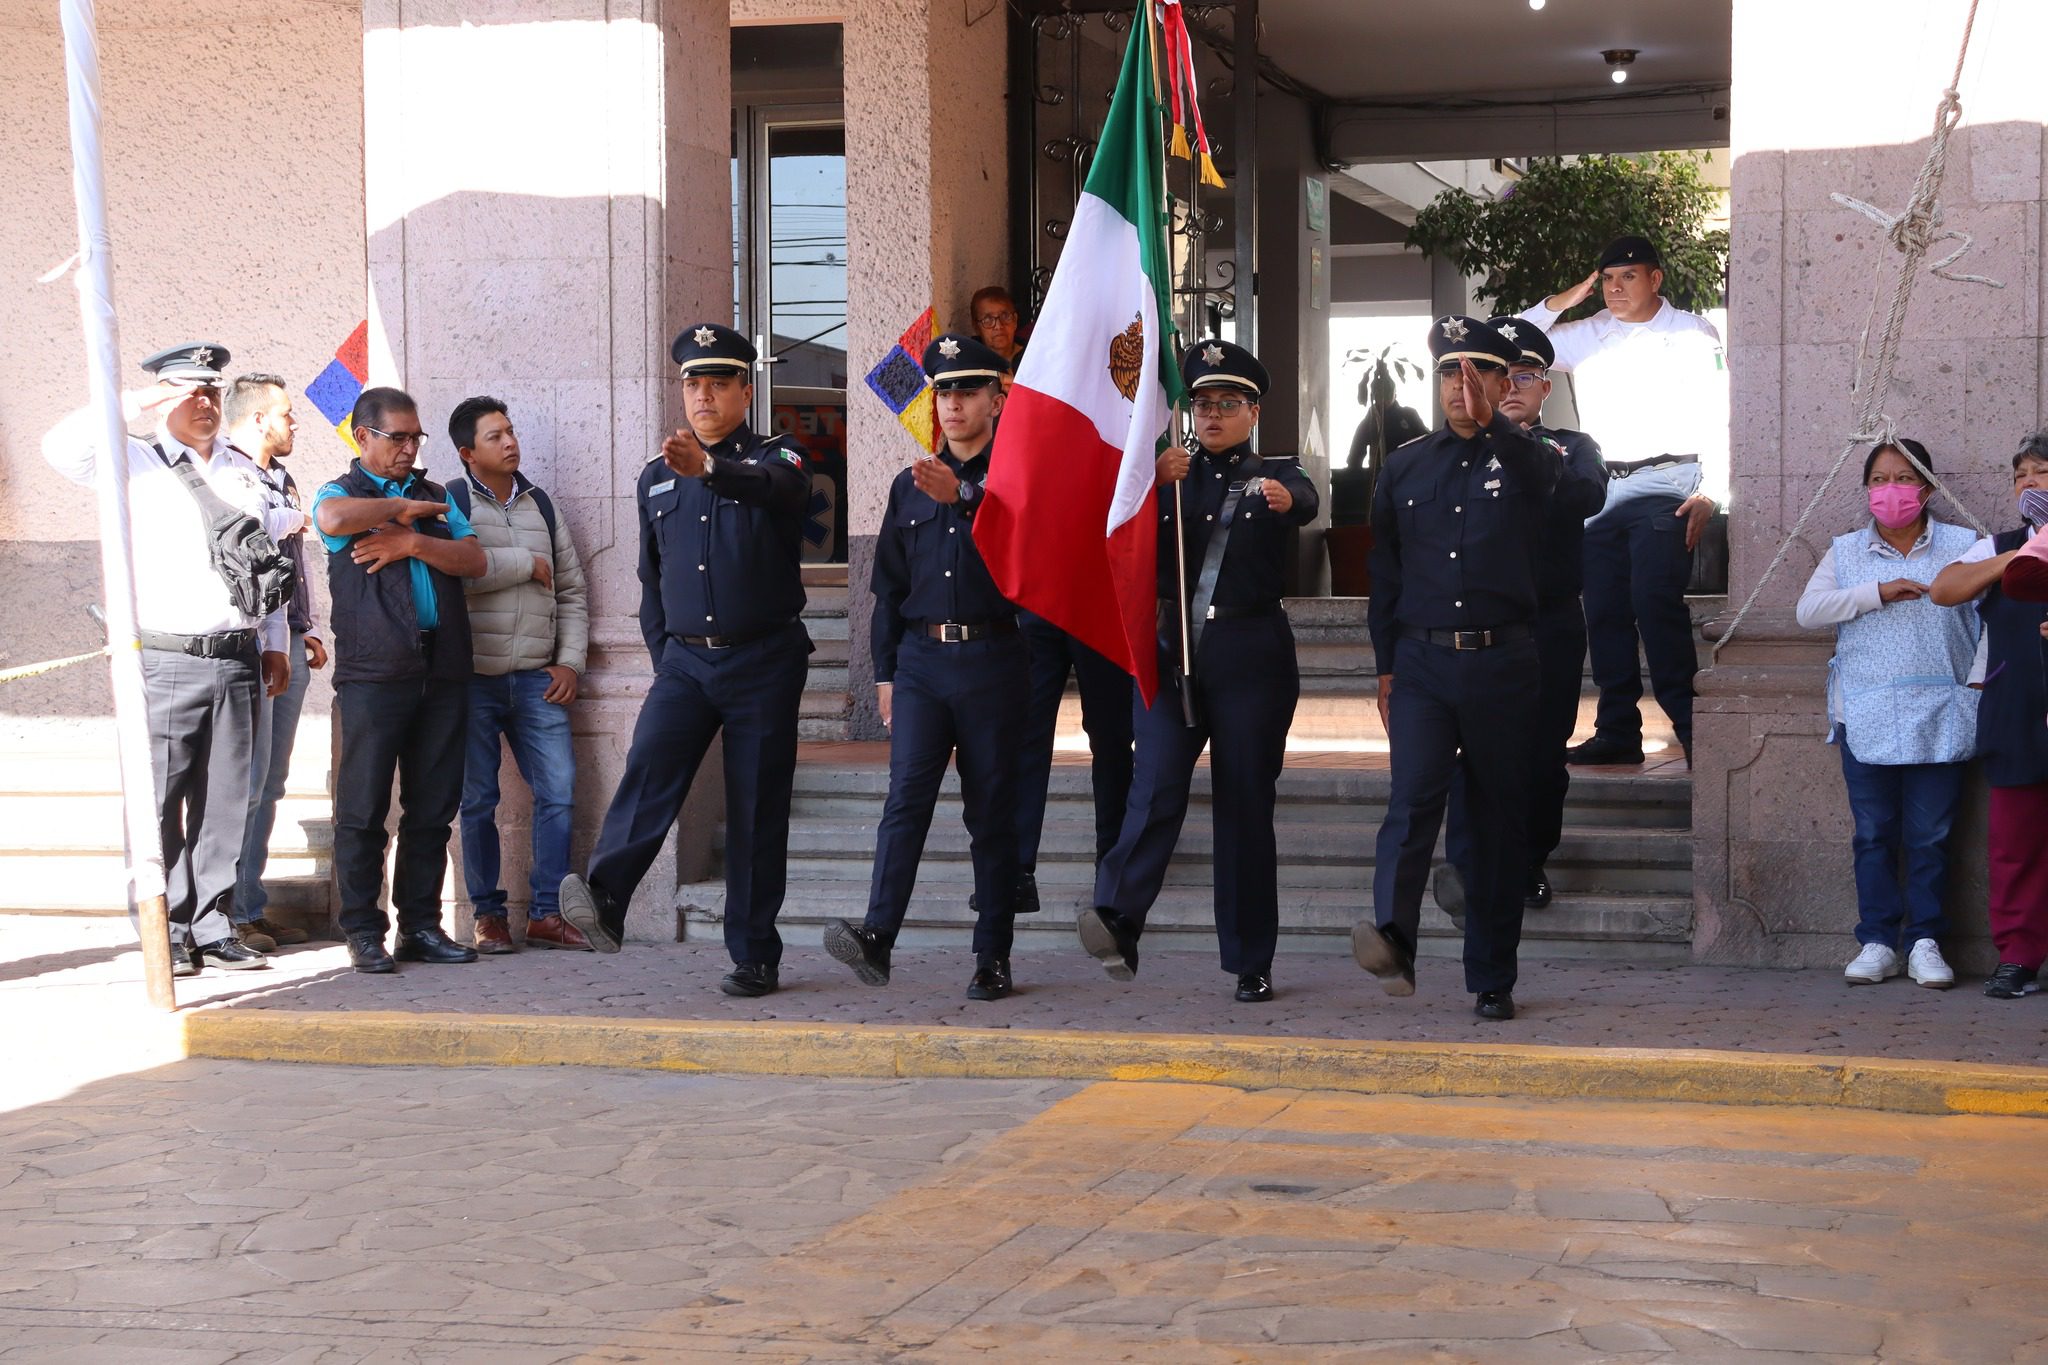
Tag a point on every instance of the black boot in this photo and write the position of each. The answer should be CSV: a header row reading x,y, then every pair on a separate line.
x,y
1539,894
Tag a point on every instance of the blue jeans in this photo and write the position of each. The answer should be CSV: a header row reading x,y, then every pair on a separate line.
x,y
1902,810
270,763
538,732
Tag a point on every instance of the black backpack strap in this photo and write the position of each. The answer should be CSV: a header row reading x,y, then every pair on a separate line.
x,y
458,493
546,505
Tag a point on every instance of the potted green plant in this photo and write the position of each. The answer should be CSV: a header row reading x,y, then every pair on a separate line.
x,y
1386,425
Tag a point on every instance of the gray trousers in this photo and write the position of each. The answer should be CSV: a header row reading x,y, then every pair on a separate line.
x,y
202,729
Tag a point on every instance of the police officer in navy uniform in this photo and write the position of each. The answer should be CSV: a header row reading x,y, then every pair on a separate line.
x,y
1458,521
1238,507
950,677
721,528
1560,626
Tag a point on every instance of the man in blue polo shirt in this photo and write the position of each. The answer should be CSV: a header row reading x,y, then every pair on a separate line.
x,y
401,680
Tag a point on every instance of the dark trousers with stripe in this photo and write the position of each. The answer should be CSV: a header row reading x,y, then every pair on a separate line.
x,y
1469,714
1105,716
1248,683
963,702
750,694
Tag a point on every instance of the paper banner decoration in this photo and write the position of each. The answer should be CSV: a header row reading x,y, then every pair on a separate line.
x,y
335,390
900,382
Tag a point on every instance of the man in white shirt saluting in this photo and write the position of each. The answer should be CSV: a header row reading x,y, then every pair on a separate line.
x,y
1651,384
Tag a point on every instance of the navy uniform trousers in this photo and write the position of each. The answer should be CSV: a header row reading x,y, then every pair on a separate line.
x,y
1248,683
751,692
1105,716
965,702
1469,714
1561,662
1637,571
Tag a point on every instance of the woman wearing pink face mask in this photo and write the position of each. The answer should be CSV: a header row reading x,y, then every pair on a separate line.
x,y
1900,708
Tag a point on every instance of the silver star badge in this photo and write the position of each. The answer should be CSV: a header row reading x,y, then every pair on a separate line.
x,y
703,336
949,348
1454,329
1507,329
203,356
1213,354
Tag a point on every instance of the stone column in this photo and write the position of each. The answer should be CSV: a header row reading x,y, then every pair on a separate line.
x,y
1772,872
546,194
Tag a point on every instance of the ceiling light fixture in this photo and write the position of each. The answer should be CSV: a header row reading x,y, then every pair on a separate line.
x,y
1536,4
1620,59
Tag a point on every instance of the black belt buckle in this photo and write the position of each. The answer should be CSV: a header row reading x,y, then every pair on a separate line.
x,y
718,642
1471,639
953,633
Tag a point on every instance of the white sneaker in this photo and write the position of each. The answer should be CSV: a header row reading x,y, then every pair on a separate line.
x,y
1874,964
1925,965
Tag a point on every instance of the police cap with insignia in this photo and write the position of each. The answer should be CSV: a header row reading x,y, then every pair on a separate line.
x,y
196,362
1461,338
961,362
1216,363
1631,251
709,349
1526,337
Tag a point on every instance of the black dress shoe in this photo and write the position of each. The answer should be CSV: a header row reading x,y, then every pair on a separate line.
x,y
366,954
183,963
1447,884
230,954
1026,902
1253,987
751,979
593,911
1495,1005
432,945
991,979
1539,893
1374,949
859,948
1605,751
1108,938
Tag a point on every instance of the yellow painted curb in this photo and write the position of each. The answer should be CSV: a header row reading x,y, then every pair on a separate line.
x,y
374,1038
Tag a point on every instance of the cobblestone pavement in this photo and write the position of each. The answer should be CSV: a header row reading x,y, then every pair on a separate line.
x,y
1321,996
208,1212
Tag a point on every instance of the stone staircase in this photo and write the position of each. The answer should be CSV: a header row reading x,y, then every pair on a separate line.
x,y
825,703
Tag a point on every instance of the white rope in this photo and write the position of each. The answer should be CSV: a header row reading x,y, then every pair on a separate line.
x,y
1913,231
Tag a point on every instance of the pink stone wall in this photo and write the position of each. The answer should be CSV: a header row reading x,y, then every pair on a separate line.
x,y
1830,96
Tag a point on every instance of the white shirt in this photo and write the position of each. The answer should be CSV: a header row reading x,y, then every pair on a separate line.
x,y
1646,389
176,588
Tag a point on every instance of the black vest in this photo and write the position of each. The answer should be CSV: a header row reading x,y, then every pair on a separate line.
x,y
376,627
2012,717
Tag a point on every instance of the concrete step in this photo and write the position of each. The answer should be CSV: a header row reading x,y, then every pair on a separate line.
x,y
90,822
97,883
1643,929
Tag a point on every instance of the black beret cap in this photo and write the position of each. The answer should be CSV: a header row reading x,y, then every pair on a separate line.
x,y
1631,251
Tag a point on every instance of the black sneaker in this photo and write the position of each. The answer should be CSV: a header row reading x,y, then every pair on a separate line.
x,y
1374,949
1538,895
1605,751
751,979
1447,884
991,979
591,910
859,948
1108,938
2011,981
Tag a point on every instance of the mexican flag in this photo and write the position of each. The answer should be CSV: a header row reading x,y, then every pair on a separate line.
x,y
1069,529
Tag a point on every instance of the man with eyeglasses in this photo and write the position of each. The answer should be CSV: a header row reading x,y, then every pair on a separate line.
x,y
401,680
1560,629
1458,520
1236,510
205,659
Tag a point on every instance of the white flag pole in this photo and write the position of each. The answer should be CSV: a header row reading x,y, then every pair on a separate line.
x,y
103,359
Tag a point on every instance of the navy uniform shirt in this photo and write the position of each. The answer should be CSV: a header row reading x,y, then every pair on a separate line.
x,y
1581,493
1254,568
719,555
927,569
1458,526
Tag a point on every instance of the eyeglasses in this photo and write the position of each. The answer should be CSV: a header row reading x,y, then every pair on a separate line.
x,y
1449,369
1528,379
995,319
1211,407
415,439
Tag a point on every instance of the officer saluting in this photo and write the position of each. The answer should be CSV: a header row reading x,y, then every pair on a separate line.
x,y
721,529
950,677
1238,507
1560,626
1458,520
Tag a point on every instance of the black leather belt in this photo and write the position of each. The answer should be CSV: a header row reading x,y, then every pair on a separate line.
x,y
960,632
1477,639
731,641
225,644
1621,469
1244,613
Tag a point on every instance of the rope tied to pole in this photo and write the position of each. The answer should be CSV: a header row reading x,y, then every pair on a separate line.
x,y
1913,231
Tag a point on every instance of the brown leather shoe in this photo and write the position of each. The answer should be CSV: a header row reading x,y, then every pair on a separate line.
x,y
493,936
552,931
283,935
251,935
